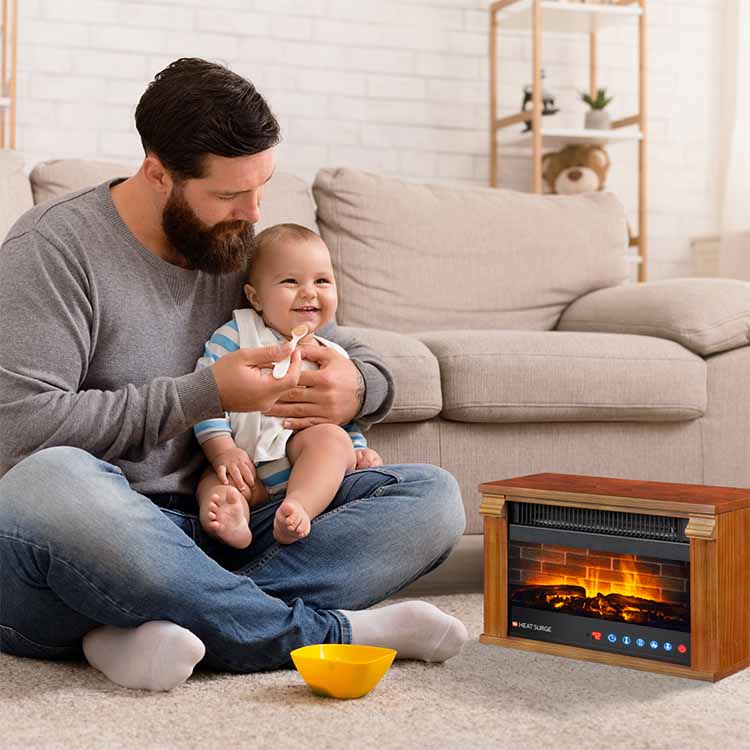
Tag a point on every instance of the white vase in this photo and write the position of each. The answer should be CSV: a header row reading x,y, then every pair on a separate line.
x,y
597,119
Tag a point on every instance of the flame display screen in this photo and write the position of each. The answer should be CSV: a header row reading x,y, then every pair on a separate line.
x,y
608,586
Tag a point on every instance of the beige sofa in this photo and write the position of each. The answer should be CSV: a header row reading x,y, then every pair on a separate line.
x,y
515,345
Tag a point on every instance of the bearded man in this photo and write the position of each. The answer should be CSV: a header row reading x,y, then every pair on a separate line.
x,y
107,297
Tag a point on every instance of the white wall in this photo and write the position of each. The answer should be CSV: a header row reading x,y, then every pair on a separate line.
x,y
394,86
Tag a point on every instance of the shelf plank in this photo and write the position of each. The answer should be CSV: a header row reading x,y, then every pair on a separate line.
x,y
553,136
567,17
558,137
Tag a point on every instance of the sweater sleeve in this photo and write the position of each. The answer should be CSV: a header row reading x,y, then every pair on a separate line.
x,y
47,315
223,341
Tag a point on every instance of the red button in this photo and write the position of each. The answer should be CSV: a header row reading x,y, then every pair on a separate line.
x,y
596,635
682,648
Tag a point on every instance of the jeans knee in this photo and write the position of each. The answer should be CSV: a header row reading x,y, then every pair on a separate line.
x,y
56,461
440,489
450,505
50,490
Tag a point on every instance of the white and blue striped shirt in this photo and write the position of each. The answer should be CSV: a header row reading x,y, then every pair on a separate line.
x,y
226,340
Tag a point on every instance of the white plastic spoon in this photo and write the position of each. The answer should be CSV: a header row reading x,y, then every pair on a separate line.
x,y
280,369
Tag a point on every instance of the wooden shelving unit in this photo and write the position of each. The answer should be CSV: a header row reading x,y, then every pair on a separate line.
x,y
562,16
8,73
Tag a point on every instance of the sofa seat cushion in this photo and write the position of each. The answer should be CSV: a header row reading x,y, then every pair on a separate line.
x,y
415,371
555,376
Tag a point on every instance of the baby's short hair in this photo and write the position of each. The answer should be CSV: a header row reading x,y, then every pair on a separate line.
x,y
278,232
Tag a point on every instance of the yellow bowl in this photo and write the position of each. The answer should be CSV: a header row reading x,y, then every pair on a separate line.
x,y
341,670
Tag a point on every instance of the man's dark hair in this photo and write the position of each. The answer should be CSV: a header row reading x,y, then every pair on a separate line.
x,y
193,108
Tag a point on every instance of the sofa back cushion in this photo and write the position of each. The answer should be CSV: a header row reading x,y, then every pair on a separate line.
x,y
414,257
52,179
286,198
15,193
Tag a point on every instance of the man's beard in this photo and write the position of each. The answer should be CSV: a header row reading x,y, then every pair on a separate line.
x,y
222,248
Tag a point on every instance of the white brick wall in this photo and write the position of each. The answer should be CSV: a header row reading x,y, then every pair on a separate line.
x,y
397,87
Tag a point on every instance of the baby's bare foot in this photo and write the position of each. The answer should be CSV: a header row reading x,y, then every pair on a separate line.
x,y
226,516
291,522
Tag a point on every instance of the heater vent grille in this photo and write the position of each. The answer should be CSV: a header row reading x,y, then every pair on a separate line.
x,y
615,523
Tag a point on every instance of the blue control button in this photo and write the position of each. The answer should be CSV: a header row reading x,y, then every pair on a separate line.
x,y
626,640
640,642
667,646
612,638
654,644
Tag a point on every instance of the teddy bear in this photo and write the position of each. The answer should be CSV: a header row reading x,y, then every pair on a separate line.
x,y
576,169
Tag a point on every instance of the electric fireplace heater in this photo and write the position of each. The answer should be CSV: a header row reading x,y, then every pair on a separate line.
x,y
649,575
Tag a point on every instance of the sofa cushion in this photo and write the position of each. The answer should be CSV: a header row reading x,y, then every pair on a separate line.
x,y
15,192
285,198
51,179
706,316
414,257
551,376
415,371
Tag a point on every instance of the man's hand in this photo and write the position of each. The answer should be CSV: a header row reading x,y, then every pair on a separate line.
x,y
333,394
242,384
367,457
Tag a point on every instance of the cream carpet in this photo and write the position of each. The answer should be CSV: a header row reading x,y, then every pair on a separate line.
x,y
487,697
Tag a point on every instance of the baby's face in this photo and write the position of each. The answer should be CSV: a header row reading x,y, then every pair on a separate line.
x,y
294,285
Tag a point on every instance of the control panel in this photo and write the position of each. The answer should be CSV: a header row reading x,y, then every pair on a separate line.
x,y
602,635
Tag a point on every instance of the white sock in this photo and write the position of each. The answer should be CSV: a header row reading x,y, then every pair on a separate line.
x,y
157,655
417,630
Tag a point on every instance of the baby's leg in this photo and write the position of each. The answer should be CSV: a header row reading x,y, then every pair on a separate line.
x,y
224,512
320,456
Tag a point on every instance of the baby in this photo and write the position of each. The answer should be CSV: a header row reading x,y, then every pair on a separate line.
x,y
290,284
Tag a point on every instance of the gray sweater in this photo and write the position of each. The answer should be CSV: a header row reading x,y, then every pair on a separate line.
x,y
98,343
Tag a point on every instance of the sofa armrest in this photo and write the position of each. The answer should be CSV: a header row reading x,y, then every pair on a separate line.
x,y
415,370
706,316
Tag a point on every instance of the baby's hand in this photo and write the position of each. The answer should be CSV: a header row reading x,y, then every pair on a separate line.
x,y
367,457
233,466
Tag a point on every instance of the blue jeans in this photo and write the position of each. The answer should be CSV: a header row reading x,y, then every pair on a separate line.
x,y
80,548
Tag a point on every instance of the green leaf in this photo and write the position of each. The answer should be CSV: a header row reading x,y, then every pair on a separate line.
x,y
599,102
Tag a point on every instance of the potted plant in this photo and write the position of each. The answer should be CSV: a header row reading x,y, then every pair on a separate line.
x,y
597,118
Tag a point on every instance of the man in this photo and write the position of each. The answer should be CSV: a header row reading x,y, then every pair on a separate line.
x,y
106,299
